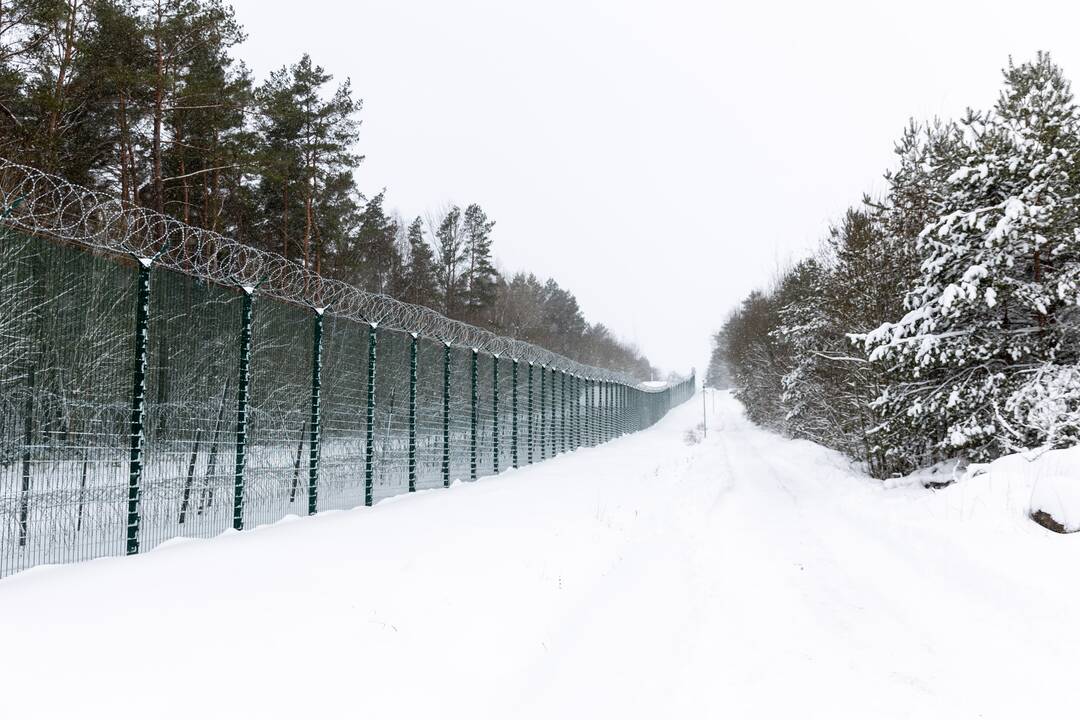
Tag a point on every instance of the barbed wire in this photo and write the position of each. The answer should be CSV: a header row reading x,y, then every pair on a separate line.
x,y
42,204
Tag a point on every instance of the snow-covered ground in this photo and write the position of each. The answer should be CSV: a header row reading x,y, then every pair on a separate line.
x,y
742,576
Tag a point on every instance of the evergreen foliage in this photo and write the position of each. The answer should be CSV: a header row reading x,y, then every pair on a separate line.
x,y
146,100
942,321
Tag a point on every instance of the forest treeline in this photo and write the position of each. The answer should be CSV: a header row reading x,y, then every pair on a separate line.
x,y
940,321
147,100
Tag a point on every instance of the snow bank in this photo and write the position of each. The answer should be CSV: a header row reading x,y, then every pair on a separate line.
x,y
744,576
1042,485
1051,479
1058,496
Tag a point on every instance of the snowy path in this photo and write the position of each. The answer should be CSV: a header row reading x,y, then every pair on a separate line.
x,y
747,576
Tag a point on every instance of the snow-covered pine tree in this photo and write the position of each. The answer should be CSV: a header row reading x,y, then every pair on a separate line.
x,y
757,362
805,324
991,314
927,154
854,283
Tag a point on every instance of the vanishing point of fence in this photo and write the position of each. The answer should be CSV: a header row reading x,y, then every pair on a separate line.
x,y
157,380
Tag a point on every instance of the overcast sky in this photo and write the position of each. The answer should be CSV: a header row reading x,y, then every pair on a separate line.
x,y
659,159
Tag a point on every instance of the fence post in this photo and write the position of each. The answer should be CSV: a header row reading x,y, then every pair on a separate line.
x,y
529,446
608,434
590,414
605,409
495,413
472,422
412,412
583,410
138,405
514,413
601,411
576,393
613,408
625,409
586,411
616,419
563,446
28,436
586,394
597,396
369,439
543,413
573,424
613,392
581,406
446,416
241,407
554,410
316,413
598,410
587,405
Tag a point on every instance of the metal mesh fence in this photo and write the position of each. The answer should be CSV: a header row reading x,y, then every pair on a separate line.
x,y
429,421
391,459
142,400
279,432
65,389
343,397
485,415
189,426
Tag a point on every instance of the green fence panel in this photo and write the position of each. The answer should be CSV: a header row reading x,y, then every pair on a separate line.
x,y
247,407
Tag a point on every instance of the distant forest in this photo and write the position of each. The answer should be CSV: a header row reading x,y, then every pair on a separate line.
x,y
145,99
942,320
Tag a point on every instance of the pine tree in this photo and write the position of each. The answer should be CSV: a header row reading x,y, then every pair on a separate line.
x,y
999,272
205,122
378,254
897,441
24,28
718,374
756,361
307,149
481,278
420,287
55,97
119,54
805,324
180,34
562,324
451,253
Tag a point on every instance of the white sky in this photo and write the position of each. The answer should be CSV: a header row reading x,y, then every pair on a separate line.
x,y
659,159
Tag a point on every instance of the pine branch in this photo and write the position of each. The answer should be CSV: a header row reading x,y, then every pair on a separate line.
x,y
199,172
11,115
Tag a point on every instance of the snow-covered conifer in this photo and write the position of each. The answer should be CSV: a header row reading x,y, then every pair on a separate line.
x,y
999,272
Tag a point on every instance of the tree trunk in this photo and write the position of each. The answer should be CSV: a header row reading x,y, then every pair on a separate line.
x,y
159,92
66,55
285,220
1037,269
125,186
183,172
